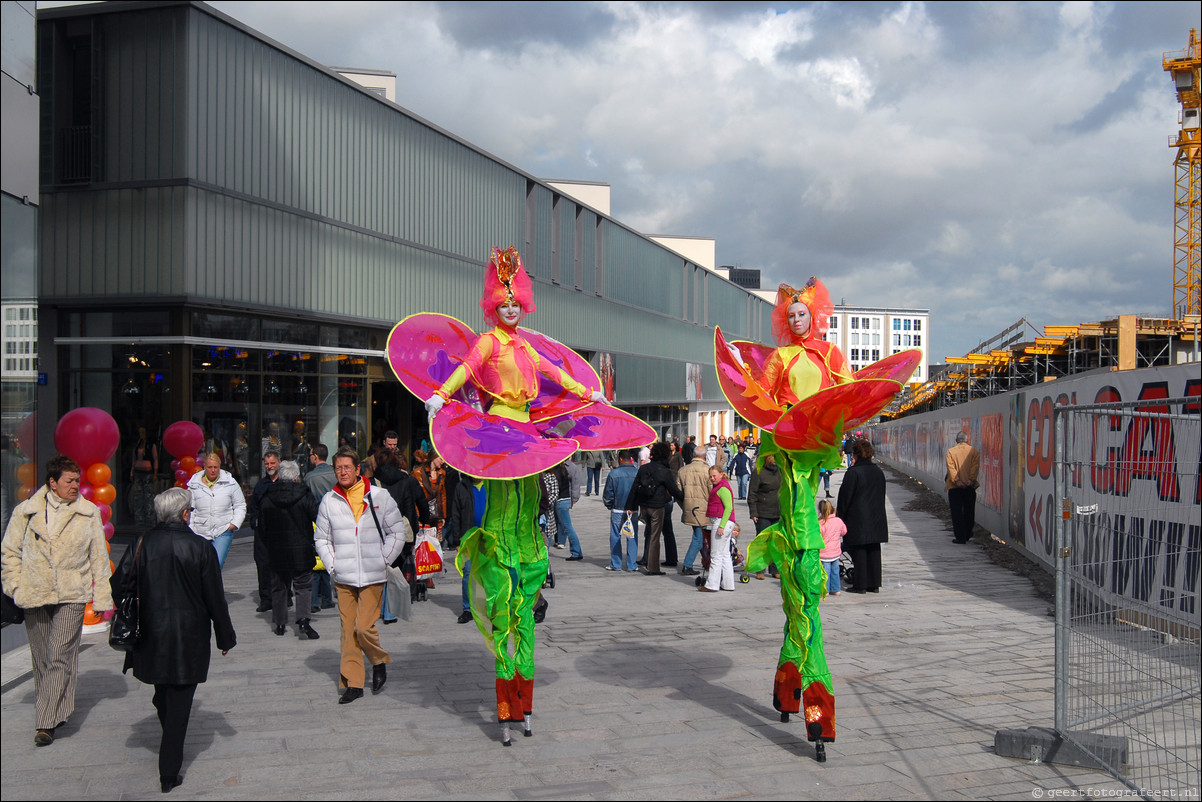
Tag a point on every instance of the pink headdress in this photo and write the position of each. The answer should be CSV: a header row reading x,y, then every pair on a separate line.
x,y
505,281
816,299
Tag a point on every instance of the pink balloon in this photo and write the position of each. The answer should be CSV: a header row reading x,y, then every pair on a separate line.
x,y
106,513
108,530
181,476
183,438
175,466
87,435
87,491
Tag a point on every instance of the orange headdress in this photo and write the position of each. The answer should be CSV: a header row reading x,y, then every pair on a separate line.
x,y
816,299
505,281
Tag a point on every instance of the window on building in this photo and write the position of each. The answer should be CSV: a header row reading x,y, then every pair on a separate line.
x,y
917,325
834,322
918,339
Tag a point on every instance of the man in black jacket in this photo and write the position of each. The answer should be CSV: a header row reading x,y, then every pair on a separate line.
x,y
652,489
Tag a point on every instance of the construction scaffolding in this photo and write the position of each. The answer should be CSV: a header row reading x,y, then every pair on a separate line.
x,y
1013,359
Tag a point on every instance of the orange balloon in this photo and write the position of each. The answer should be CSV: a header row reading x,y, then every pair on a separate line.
x,y
90,616
24,492
108,546
99,474
27,474
105,495
112,567
187,463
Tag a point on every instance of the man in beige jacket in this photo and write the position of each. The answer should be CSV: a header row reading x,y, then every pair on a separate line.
x,y
694,481
54,562
963,465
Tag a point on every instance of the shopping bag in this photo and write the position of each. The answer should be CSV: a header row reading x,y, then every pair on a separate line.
x,y
427,556
399,598
628,527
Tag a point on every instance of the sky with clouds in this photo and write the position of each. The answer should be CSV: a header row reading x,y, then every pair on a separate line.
x,y
988,161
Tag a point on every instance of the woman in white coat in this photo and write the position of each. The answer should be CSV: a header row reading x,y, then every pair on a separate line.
x,y
218,506
357,539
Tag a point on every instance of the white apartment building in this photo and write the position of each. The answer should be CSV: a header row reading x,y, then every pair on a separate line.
x,y
868,333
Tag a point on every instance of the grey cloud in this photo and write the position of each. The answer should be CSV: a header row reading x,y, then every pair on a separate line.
x,y
499,26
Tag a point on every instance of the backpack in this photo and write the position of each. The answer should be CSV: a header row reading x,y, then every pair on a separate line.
x,y
645,486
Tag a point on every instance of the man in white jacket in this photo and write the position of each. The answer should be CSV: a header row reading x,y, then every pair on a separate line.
x,y
360,531
218,506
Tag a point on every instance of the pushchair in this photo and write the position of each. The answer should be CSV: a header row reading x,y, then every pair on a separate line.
x,y
736,556
846,570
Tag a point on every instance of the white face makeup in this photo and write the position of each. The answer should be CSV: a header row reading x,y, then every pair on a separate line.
x,y
509,314
799,318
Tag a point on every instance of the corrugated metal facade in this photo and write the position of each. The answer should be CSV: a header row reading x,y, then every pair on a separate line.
x,y
228,172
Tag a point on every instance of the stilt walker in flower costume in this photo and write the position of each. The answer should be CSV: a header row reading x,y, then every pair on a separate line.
x,y
504,407
803,395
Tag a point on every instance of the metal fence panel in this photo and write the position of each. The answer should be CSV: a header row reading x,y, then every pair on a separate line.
x,y
1128,564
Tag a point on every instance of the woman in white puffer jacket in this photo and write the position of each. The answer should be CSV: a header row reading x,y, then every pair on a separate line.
x,y
356,537
218,506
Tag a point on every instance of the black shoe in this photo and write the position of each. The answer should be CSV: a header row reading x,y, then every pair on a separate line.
x,y
307,630
669,565
641,562
379,675
350,695
264,607
874,590
389,621
653,573
856,590
314,609
465,616
574,559
327,605
167,785
43,737
279,630
686,571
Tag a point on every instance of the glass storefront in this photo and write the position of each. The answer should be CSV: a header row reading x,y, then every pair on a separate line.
x,y
253,387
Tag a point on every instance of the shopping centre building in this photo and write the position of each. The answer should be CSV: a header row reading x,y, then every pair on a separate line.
x,y
226,232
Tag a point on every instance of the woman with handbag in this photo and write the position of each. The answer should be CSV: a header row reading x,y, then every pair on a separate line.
x,y
176,577
356,539
54,563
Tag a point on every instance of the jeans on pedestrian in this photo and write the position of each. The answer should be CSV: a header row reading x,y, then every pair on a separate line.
x,y
593,484
386,612
222,543
323,589
833,585
467,572
743,481
563,518
616,520
694,547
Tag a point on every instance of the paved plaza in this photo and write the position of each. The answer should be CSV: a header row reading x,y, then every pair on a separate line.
x,y
645,689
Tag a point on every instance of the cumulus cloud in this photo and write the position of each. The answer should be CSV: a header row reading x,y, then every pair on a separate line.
x,y
986,161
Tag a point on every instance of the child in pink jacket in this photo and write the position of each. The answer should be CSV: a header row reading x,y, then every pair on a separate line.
x,y
833,529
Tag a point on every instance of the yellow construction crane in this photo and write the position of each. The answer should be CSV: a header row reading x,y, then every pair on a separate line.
x,y
1184,66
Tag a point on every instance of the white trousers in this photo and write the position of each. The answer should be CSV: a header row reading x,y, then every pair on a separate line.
x,y
722,571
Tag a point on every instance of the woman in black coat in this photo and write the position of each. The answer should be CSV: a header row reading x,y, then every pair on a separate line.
x,y
861,505
286,515
181,604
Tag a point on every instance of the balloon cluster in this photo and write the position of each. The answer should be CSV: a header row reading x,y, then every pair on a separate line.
x,y
90,437
183,439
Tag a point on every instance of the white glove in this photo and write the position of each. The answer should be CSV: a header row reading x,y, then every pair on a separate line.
x,y
433,404
599,397
734,351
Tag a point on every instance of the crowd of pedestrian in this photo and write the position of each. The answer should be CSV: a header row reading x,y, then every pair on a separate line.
x,y
330,538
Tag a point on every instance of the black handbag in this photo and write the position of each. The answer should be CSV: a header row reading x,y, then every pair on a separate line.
x,y
12,614
127,623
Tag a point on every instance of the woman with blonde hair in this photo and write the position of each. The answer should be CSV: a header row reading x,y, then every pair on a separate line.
x,y
721,513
